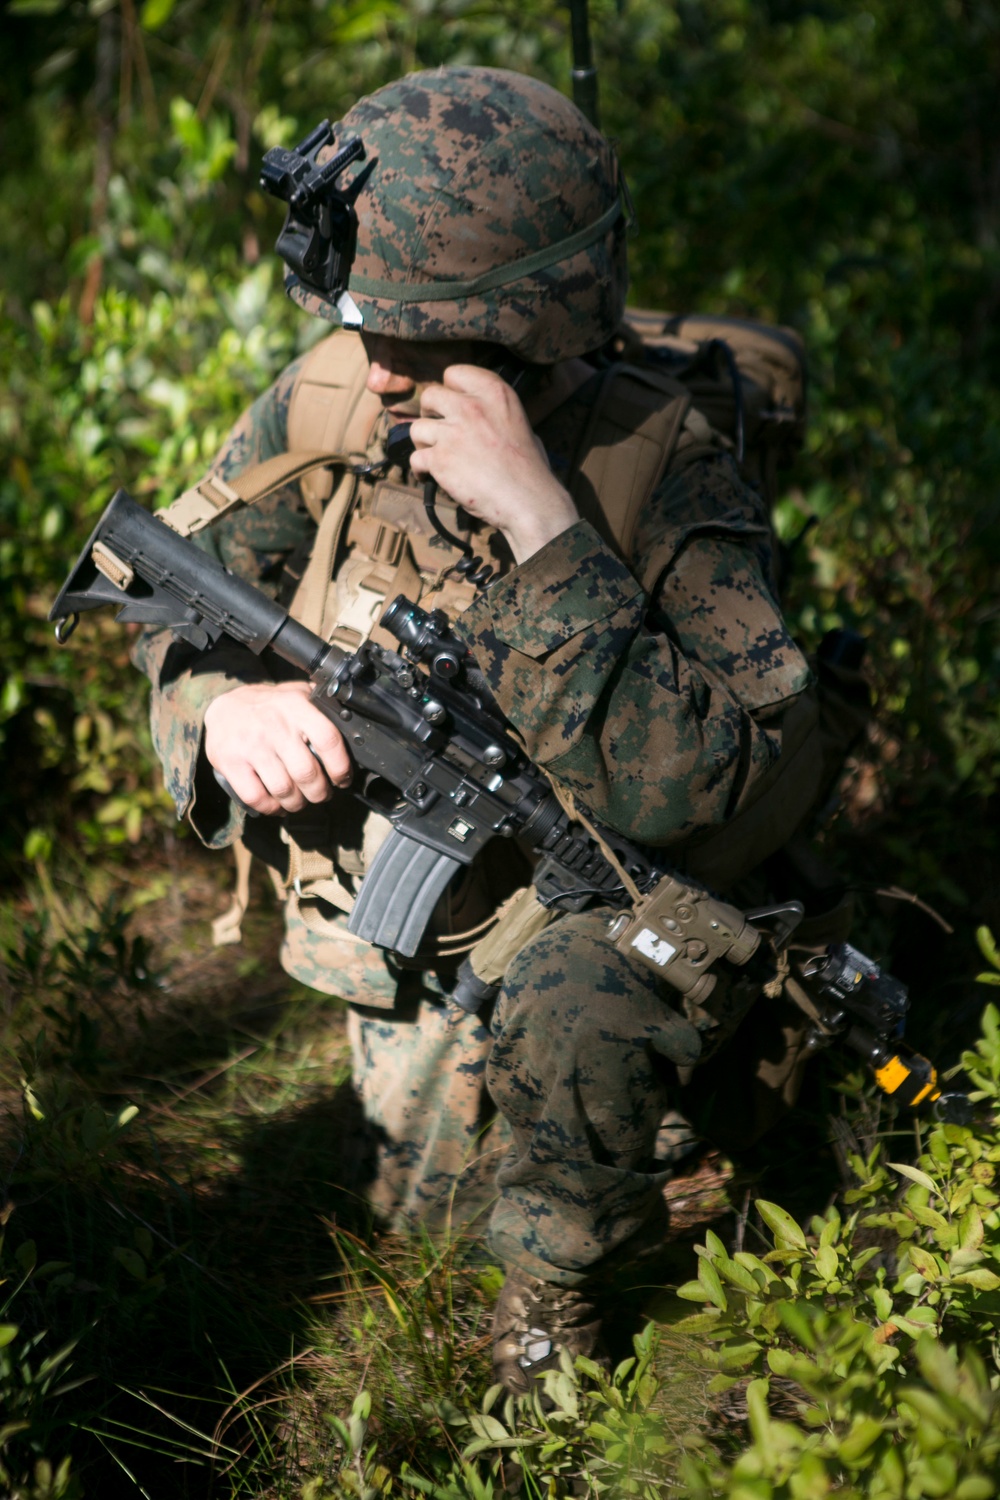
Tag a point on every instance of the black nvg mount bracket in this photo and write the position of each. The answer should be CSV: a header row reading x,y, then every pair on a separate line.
x,y
319,236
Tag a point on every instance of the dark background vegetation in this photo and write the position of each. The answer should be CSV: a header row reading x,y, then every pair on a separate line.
x,y
834,166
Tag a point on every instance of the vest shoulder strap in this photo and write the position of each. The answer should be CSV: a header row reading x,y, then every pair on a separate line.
x,y
212,497
330,408
635,424
331,415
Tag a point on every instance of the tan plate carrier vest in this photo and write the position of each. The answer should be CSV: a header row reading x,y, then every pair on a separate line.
x,y
632,434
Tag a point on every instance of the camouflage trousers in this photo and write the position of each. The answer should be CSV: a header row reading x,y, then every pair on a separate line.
x,y
559,1115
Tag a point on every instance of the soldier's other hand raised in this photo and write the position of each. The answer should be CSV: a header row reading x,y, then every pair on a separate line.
x,y
474,438
274,747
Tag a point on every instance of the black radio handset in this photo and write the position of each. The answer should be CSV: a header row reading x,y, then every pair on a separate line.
x,y
399,447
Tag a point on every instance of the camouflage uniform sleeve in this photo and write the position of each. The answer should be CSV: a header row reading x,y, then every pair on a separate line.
x,y
252,542
650,706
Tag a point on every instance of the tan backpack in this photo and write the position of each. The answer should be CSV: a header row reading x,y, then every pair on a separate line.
x,y
748,379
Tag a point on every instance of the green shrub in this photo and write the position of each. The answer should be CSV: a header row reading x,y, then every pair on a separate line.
x,y
853,1317
32,1380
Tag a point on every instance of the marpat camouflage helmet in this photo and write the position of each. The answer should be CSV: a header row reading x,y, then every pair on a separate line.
x,y
492,212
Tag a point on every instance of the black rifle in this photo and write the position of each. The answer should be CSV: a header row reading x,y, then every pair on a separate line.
x,y
433,754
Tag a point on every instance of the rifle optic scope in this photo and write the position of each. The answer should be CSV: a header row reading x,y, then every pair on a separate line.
x,y
426,637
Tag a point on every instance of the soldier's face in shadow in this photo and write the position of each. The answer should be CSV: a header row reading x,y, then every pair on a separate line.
x,y
400,369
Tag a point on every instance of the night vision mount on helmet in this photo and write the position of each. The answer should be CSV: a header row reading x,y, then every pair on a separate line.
x,y
319,236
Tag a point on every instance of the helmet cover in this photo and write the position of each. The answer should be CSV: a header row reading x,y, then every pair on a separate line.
x,y
490,211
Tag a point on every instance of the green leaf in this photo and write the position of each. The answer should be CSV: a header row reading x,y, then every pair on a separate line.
x,y
700,1324
692,1291
792,1366
781,1224
830,1233
720,1383
939,1366
931,1219
924,1263
709,1278
737,1275
491,1398
8,1333
915,1175
483,1445
599,1430
737,1356
155,13
485,1426
131,1260
26,1256
980,1278
754,1265
827,1263
988,947
760,1418
970,1230
38,846
917,1322
976,1487
863,1433
882,1303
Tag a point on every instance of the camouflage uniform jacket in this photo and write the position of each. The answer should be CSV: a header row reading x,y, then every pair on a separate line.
x,y
659,710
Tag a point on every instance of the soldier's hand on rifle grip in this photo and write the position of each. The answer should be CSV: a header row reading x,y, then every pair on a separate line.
x,y
274,747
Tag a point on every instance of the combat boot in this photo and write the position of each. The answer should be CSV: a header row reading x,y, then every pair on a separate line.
x,y
534,1321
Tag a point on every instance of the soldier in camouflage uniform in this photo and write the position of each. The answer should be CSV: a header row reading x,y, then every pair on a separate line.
x,y
490,224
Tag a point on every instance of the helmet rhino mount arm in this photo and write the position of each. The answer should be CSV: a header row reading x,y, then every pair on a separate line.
x,y
320,233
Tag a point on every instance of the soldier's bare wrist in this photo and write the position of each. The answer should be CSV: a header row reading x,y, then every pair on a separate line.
x,y
537,529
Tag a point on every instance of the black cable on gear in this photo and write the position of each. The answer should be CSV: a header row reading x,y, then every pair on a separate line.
x,y
469,565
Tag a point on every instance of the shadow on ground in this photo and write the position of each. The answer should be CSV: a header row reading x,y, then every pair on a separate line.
x,y
186,1250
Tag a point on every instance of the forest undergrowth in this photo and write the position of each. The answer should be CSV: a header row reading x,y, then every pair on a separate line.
x,y
193,1303
193,1306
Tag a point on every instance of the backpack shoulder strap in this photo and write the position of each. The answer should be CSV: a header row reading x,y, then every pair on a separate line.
x,y
635,424
331,409
331,415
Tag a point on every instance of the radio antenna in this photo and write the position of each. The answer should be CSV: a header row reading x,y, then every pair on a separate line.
x,y
584,73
